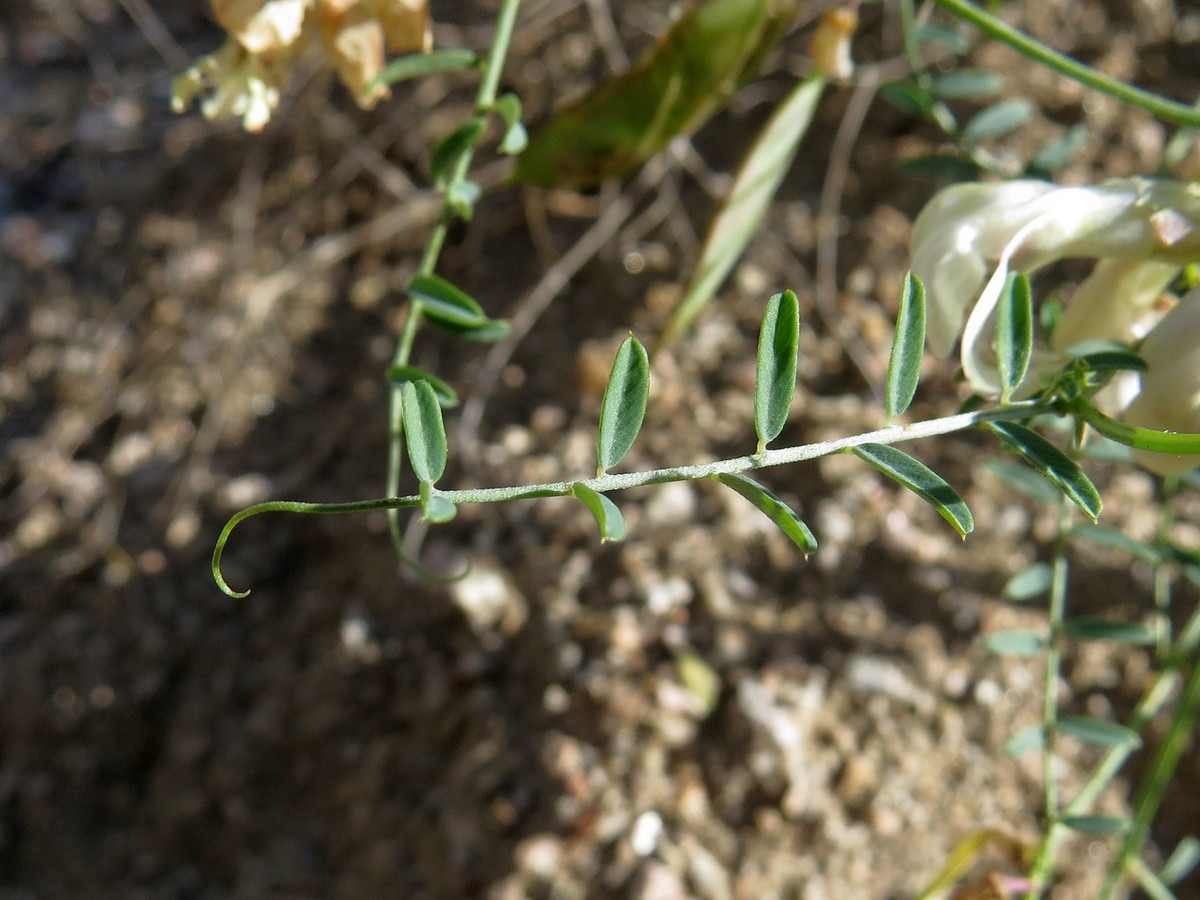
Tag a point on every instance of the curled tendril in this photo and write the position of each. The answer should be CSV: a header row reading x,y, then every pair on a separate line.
x,y
294,506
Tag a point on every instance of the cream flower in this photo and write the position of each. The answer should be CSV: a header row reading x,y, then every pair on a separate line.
x,y
1170,392
1140,231
246,75
967,229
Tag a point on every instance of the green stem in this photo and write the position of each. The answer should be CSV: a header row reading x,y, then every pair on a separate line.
x,y
1042,869
893,434
485,97
1167,110
1162,769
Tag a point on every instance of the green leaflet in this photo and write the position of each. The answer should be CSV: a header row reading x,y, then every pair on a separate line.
x,y
1029,583
1098,732
908,348
1094,628
624,404
922,481
447,396
603,510
673,89
775,509
1017,642
1014,334
997,120
1029,738
449,307
1116,539
1060,469
1097,825
427,448
754,186
414,65
775,380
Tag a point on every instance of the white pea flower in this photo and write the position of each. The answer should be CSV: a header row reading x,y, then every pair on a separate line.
x,y
1170,396
1140,231
246,75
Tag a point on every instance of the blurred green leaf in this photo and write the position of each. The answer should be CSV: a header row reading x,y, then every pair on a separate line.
x,y
942,167
997,120
908,96
673,89
1017,642
450,308
624,404
516,139
1029,738
423,427
462,197
775,509
1099,732
414,65
1099,826
1055,465
908,348
450,149
1058,152
445,304
946,37
966,84
447,396
754,186
1023,481
922,481
775,381
1114,538
603,510
1182,860
1094,628
1029,583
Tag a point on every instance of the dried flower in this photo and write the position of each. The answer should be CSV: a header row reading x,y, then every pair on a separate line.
x,y
246,75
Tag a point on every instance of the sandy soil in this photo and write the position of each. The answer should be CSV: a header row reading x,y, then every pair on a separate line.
x,y
193,319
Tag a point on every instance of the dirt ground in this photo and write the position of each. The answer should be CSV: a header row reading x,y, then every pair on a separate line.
x,y
193,319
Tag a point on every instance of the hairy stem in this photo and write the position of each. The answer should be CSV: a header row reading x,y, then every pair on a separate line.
x,y
893,434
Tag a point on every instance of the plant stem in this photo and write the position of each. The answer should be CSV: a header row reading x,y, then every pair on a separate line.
x,y
893,434
1161,770
1042,868
485,97
1167,110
